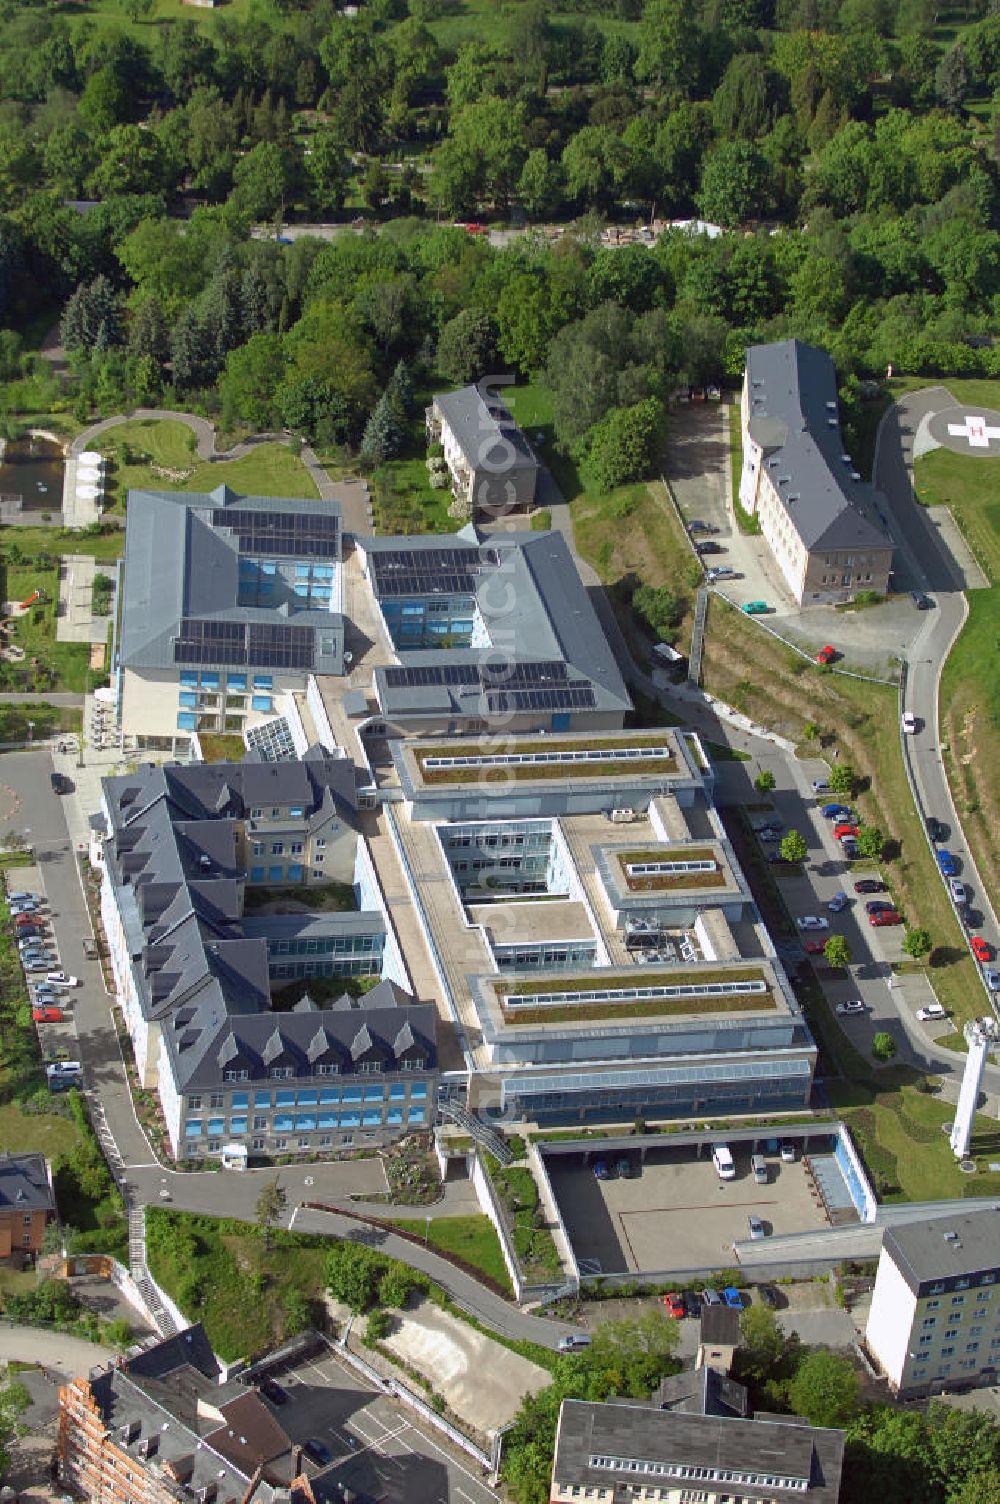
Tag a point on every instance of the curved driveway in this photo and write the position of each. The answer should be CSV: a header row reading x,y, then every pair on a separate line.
x,y
927,565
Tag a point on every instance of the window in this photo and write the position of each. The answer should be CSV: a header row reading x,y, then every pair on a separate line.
x,y
194,1103
216,1100
259,1122
243,1075
281,1143
294,872
275,812
296,848
188,700
303,1143
275,873
296,811
27,1220
970,1347
256,874
947,1352
260,702
281,1072
255,814
257,1143
277,848
186,720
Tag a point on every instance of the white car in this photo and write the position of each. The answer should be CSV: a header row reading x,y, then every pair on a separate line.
x,y
933,1010
909,722
62,979
957,890
820,785
857,1006
812,922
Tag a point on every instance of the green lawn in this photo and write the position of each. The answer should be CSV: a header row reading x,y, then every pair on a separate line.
x,y
490,22
970,685
470,1238
744,521
105,547
24,1132
48,663
901,1136
161,456
218,748
404,501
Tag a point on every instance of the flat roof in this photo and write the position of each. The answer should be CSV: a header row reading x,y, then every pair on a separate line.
x,y
626,758
945,1247
533,922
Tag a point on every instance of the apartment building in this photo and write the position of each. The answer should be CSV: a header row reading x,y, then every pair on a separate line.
x,y
213,961
935,1315
163,1427
617,1453
228,602
489,633
820,520
27,1206
492,466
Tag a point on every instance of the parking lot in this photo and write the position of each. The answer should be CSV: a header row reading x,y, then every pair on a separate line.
x,y
677,1214
377,1453
52,1006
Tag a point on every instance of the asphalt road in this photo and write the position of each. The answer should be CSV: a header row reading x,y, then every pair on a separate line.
x,y
931,569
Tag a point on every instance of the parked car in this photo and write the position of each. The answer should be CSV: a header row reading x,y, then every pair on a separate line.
x,y
827,654
60,1069
733,1298
878,906
673,1304
946,862
812,922
710,547
957,890
921,601
887,917
271,1390
626,1169
981,949
62,979
935,829
836,812
789,1151
692,1303
849,847
845,828
755,1228
37,961
60,783
820,785
855,1006
870,885
768,835
756,608
573,1341
992,978
44,1014
932,1011
721,572
696,525
814,947
711,1297
838,903
769,1296
317,1451
908,721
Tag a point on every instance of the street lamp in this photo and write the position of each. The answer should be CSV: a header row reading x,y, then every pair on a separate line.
x,y
31,728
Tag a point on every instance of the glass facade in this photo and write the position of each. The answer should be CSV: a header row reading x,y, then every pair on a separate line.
x,y
311,1110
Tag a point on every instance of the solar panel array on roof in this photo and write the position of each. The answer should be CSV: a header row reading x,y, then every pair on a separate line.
x,y
430,674
430,571
236,643
284,534
506,675
568,697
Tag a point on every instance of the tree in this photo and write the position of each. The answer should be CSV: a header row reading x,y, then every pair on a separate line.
x,y
883,1046
953,78
765,781
734,184
326,170
250,382
91,318
842,780
352,1275
541,185
383,435
270,1206
766,1354
917,942
870,842
623,445
825,1389
14,1400
661,609
262,181
793,846
837,952
467,346
668,44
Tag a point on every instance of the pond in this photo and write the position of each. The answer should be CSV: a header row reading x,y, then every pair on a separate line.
x,y
31,477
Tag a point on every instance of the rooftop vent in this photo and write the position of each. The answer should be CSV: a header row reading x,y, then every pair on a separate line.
x,y
831,422
832,406
951,1237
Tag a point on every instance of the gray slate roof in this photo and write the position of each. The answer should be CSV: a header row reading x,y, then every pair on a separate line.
x,y
770,1448
484,429
178,565
24,1183
794,416
201,968
535,609
924,1253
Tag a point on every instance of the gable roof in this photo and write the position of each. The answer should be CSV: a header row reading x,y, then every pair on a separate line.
x,y
794,417
24,1183
484,430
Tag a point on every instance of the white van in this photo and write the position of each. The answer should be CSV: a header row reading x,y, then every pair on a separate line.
x,y
758,1167
574,1342
723,1162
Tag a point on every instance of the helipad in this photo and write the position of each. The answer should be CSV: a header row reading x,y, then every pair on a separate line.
x,y
967,430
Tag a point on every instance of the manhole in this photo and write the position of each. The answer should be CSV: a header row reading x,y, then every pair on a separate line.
x,y
967,1166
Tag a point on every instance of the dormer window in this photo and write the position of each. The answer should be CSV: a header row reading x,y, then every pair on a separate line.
x,y
370,1068
411,1064
330,1069
281,1072
236,1075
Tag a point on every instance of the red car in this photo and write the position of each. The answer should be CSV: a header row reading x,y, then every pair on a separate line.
x,y
981,949
814,947
47,1015
884,917
826,655
845,828
674,1305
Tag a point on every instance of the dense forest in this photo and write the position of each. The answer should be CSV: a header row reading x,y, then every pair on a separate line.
x,y
848,150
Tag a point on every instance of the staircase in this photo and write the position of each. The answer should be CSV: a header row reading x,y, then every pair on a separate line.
x,y
697,635
478,1130
162,1319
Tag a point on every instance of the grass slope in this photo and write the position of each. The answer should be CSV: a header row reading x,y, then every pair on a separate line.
x,y
472,1239
143,447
